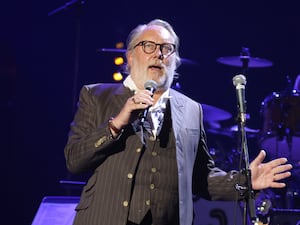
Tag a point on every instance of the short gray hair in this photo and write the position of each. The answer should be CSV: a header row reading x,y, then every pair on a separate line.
x,y
135,33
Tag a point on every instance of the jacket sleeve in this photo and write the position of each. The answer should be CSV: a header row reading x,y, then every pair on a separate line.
x,y
89,142
210,182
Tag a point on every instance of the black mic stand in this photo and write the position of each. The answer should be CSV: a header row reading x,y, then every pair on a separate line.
x,y
248,192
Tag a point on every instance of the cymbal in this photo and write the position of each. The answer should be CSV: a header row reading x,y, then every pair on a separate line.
x,y
247,129
122,50
212,113
237,61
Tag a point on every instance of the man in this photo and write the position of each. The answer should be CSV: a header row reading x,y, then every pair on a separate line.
x,y
148,172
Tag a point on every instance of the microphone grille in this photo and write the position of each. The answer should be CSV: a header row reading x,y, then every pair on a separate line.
x,y
239,80
150,84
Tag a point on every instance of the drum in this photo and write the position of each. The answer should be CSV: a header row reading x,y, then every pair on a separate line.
x,y
280,135
222,148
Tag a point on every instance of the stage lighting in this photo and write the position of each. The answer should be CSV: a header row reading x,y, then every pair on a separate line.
x,y
119,61
118,76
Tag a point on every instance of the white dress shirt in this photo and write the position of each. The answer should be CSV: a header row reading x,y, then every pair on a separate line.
x,y
156,112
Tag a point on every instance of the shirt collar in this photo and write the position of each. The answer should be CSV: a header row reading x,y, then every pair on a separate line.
x,y
161,104
129,83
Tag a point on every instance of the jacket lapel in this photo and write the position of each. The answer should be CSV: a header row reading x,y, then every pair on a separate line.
x,y
177,106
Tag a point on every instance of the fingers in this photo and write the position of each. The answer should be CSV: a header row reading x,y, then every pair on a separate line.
x,y
143,98
271,164
278,185
281,176
280,172
282,168
275,163
259,158
134,100
278,177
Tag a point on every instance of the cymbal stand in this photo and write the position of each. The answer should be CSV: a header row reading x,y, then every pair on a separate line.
x,y
245,56
77,5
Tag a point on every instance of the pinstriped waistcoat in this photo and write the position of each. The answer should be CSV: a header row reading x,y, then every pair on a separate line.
x,y
156,180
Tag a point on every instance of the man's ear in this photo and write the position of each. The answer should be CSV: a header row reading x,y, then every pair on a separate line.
x,y
129,57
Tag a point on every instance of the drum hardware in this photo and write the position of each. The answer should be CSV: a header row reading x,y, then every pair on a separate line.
x,y
292,198
265,202
213,114
67,5
221,147
288,198
251,133
285,217
219,139
245,61
297,83
263,211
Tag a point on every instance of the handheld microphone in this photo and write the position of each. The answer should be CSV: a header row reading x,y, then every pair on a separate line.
x,y
151,86
239,81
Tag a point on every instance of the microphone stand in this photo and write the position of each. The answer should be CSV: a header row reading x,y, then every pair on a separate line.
x,y
241,118
249,194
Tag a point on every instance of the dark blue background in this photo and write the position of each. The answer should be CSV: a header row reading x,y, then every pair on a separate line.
x,y
46,59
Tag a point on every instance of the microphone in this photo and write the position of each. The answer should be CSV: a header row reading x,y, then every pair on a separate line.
x,y
239,81
151,86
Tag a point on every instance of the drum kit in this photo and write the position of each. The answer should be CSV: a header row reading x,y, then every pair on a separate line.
x,y
279,134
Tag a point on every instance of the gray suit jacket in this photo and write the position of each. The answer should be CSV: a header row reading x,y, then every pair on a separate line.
x,y
105,198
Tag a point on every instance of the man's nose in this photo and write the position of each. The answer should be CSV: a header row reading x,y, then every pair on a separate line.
x,y
159,53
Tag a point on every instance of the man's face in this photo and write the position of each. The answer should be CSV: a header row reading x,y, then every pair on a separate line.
x,y
152,66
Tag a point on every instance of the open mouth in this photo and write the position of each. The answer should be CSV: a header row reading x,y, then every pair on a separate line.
x,y
155,67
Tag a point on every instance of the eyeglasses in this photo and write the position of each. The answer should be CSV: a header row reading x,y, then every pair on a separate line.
x,y
149,47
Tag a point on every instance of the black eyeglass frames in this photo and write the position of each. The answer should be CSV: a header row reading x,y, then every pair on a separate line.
x,y
149,47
